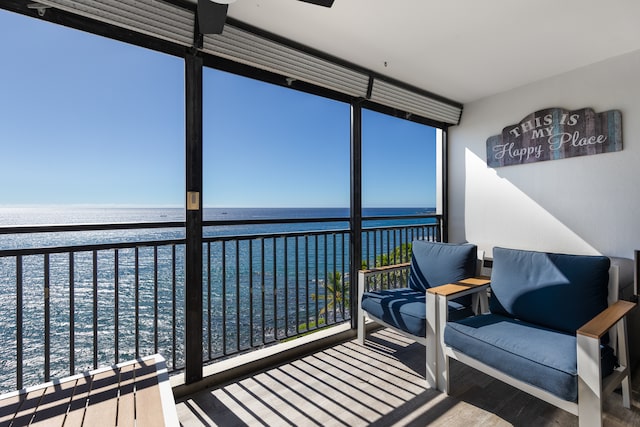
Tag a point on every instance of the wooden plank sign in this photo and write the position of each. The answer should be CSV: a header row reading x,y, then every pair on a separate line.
x,y
556,133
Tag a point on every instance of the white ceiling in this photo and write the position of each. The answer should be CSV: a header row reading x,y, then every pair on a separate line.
x,y
461,49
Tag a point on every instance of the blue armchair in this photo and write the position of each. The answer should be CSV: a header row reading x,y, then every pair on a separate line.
x,y
545,332
404,308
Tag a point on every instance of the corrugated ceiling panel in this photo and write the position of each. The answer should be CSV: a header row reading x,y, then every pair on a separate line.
x,y
242,46
175,24
151,17
394,96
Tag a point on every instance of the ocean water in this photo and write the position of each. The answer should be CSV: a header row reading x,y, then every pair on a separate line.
x,y
65,215
147,286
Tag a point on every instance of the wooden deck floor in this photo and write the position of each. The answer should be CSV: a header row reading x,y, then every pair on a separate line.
x,y
381,384
135,392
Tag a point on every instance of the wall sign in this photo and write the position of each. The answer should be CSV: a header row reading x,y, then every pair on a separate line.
x,y
556,133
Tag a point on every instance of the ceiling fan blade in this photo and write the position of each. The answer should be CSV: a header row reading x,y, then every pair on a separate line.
x,y
211,16
325,3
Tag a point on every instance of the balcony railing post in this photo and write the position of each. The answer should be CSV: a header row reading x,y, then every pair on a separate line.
x,y
19,322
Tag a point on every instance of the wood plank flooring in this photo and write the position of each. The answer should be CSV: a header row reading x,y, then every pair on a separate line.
x,y
136,392
381,384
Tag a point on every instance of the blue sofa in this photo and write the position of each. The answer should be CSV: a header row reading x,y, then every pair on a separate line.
x,y
539,334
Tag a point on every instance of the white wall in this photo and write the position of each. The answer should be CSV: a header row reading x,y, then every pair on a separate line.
x,y
588,204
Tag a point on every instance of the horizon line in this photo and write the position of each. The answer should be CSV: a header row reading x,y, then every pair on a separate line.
x,y
129,206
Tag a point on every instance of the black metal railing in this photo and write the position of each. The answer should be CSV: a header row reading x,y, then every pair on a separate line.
x,y
77,307
74,307
272,287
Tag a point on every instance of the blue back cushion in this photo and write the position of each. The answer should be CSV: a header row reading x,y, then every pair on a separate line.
x,y
435,264
558,291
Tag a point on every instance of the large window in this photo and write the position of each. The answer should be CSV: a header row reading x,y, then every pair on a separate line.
x,y
269,146
93,122
87,120
398,163
87,124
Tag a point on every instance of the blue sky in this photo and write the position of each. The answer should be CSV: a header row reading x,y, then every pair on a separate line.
x,y
90,121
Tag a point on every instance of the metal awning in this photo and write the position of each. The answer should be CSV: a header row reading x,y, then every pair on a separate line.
x,y
175,24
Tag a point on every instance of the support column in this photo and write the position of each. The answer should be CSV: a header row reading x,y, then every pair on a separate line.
x,y
444,187
355,240
193,251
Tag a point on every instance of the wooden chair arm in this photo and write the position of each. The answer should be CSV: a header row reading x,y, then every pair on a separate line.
x,y
605,320
475,281
470,285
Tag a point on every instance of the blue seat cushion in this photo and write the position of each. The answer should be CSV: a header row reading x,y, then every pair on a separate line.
x,y
539,356
558,291
436,264
405,309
